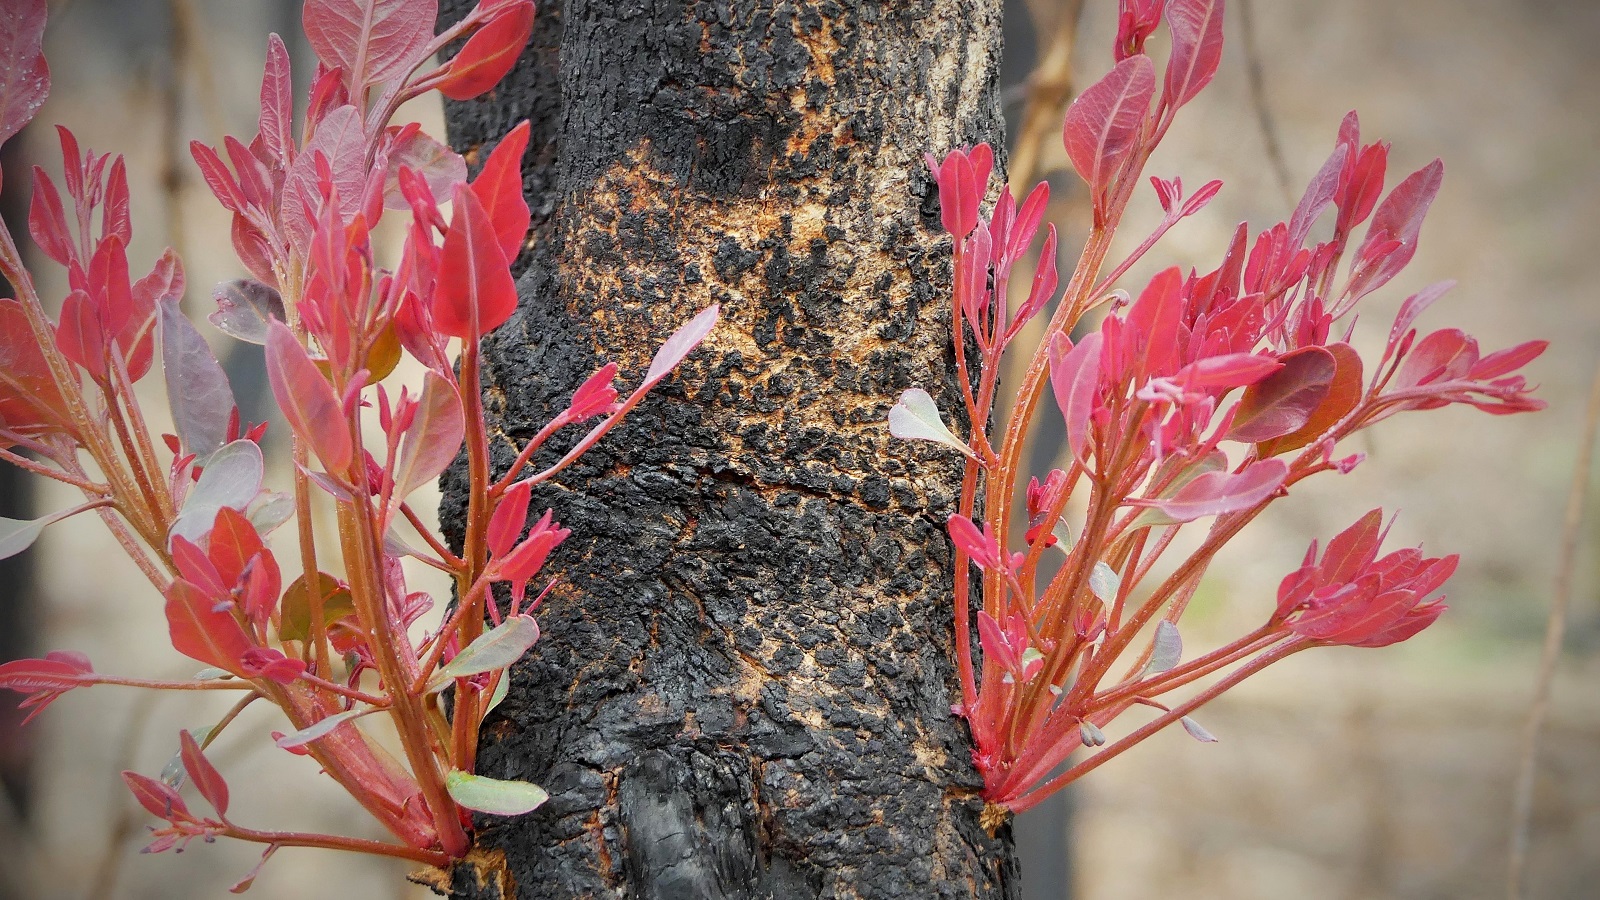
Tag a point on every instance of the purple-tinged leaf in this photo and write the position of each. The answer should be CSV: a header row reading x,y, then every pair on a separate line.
x,y
231,478
339,138
915,417
1398,220
491,651
1413,308
1319,194
434,438
245,307
307,399
1218,493
1196,731
1196,27
1344,393
441,167
493,796
675,348
207,780
1075,378
276,121
197,389
24,74
372,40
1504,362
1105,121
1283,402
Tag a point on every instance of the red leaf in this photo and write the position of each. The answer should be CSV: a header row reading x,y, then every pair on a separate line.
x,y
1444,355
56,672
1284,401
959,194
489,54
595,397
217,176
47,220
499,187
1105,121
474,292
510,514
979,546
675,348
1196,27
207,780
276,121
1353,549
1504,362
341,140
1399,219
80,337
157,797
307,399
204,630
29,399
1075,378
109,283
114,217
24,75
372,40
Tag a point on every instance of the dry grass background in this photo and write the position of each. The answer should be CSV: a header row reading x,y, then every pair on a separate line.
x,y
1346,774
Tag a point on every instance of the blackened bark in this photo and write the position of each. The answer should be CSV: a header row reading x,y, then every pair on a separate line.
x,y
744,685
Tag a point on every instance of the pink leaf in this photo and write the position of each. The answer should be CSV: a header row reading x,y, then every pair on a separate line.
x,y
207,780
959,194
438,165
24,75
510,514
979,546
276,120
56,672
1504,362
341,140
499,187
595,397
1217,493
307,399
372,40
434,437
1283,402
1444,355
686,338
489,54
1398,219
47,220
80,337
1075,378
1196,27
1105,121
475,292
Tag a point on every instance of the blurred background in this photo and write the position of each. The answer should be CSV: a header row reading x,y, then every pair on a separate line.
x,y
1339,774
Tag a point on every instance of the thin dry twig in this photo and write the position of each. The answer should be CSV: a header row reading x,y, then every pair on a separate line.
x,y
1258,99
1049,88
1555,628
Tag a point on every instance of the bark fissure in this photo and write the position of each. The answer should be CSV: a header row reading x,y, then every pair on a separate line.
x,y
743,687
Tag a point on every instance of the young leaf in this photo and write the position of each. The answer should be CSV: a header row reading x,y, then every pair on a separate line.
x,y
207,780
1285,400
675,348
491,795
157,798
438,165
24,75
1344,392
372,40
202,630
1196,27
276,121
489,54
1104,582
197,388
1166,649
232,478
1075,378
245,307
295,621
307,399
1196,731
1216,493
80,336
475,291
915,417
56,672
249,878
1105,121
434,437
494,649
322,728
499,186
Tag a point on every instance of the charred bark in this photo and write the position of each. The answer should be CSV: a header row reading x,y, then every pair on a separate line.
x,y
743,689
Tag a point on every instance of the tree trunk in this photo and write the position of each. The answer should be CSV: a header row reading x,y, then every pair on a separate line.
x,y
744,685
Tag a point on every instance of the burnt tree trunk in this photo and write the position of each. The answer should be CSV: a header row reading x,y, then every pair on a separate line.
x,y
743,689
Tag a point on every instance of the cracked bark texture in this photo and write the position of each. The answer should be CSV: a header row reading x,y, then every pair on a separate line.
x,y
743,689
